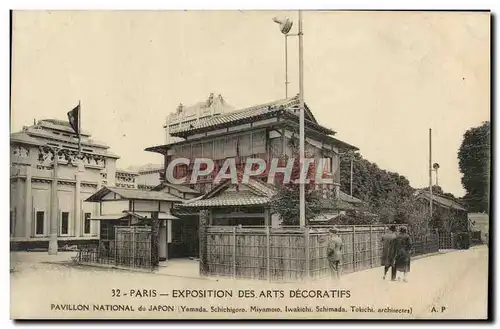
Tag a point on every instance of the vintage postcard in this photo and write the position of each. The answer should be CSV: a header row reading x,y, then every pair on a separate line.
x,y
250,164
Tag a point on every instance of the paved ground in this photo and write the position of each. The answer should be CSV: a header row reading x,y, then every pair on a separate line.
x,y
453,285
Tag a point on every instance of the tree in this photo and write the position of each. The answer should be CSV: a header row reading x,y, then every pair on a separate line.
x,y
286,202
383,192
474,163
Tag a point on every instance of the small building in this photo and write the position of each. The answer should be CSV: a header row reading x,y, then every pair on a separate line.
x,y
480,222
452,214
134,207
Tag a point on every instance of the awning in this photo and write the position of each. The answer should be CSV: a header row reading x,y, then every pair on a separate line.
x,y
109,217
147,215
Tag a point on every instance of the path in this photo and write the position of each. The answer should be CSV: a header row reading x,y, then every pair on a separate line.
x,y
454,285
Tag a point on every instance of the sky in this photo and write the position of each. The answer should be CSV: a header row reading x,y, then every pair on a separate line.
x,y
381,80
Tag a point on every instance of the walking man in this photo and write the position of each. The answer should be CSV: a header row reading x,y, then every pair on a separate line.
x,y
402,251
388,252
334,252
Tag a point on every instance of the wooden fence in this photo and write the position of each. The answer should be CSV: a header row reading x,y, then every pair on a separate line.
x,y
133,246
130,249
280,254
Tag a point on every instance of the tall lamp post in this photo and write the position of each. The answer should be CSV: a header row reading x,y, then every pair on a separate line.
x,y
285,27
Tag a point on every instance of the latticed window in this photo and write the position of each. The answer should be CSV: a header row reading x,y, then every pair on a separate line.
x,y
197,151
245,146
229,147
207,149
259,142
219,148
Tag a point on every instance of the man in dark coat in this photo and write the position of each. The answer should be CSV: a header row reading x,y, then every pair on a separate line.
x,y
402,249
388,253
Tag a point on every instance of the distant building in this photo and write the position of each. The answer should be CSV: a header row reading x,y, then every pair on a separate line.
x,y
480,222
126,178
31,172
148,176
445,207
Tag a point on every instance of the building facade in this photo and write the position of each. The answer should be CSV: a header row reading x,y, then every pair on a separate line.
x,y
267,131
31,177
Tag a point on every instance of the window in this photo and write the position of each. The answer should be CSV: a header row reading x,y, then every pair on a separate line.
x,y
64,223
86,223
40,221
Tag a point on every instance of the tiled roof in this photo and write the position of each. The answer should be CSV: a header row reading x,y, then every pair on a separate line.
x,y
348,198
178,187
228,198
258,193
290,105
441,200
335,204
133,194
344,202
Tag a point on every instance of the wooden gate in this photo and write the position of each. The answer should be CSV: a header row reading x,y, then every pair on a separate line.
x,y
133,247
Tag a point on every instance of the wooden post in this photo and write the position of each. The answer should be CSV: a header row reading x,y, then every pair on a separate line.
x,y
155,228
308,254
268,250
437,237
354,248
371,247
203,242
234,251
116,247
133,245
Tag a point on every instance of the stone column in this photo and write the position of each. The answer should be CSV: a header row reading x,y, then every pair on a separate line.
x,y
77,215
28,205
95,225
18,226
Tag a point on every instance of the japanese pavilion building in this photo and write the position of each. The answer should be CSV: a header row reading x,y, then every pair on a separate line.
x,y
264,131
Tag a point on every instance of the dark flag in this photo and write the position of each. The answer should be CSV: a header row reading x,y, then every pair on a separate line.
x,y
74,119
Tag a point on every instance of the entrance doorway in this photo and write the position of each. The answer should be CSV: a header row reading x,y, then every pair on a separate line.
x,y
185,240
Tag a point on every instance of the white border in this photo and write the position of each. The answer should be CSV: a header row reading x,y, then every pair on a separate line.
x,y
185,4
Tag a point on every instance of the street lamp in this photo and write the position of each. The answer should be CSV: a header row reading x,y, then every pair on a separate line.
x,y
285,27
435,167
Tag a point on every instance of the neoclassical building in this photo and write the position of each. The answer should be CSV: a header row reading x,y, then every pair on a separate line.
x,y
31,179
